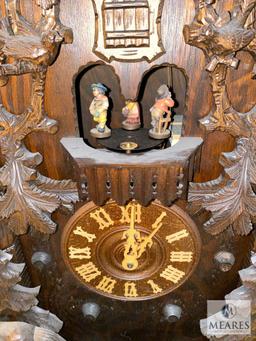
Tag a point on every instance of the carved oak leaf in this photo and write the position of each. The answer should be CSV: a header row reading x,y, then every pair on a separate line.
x,y
205,189
24,203
27,200
65,190
234,202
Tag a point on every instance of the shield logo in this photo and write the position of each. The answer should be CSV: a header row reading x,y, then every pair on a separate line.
x,y
128,30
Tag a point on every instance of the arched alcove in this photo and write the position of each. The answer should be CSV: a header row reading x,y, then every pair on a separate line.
x,y
170,75
97,73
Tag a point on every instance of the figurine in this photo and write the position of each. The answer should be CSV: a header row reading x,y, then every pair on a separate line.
x,y
131,112
99,111
160,113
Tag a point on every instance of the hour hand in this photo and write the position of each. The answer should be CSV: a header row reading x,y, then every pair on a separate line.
x,y
132,237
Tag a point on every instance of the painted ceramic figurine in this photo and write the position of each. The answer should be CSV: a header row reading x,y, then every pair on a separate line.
x,y
99,111
161,114
131,112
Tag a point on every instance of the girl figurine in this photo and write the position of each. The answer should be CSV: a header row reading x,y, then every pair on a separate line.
x,y
99,111
131,112
160,114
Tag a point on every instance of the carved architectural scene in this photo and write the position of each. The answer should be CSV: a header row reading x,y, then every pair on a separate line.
x,y
128,30
122,27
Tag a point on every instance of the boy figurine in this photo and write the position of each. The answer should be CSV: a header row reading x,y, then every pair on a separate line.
x,y
131,112
99,111
160,114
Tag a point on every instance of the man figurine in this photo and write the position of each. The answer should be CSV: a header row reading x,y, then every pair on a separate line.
x,y
161,114
131,112
99,111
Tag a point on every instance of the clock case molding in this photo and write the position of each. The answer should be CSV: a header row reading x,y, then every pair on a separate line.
x,y
158,174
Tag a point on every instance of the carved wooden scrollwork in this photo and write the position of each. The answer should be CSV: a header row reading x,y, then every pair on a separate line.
x,y
14,296
24,331
19,302
221,35
28,198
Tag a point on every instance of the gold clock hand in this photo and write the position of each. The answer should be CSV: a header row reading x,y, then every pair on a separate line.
x,y
130,252
147,241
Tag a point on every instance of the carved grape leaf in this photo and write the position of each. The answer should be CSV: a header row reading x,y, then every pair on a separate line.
x,y
231,202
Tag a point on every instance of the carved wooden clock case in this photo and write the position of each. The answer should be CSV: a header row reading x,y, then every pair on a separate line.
x,y
132,249
134,246
134,259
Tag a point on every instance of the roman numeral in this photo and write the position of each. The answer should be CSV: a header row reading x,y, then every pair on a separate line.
x,y
181,256
102,218
80,232
158,223
107,285
77,253
130,289
88,271
126,213
172,274
177,236
156,289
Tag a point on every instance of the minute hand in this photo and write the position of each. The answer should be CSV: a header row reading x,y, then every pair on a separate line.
x,y
147,241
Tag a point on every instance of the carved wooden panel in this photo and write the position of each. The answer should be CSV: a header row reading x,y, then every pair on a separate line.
x,y
221,35
27,197
128,30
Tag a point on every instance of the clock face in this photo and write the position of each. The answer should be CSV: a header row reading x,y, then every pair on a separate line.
x,y
131,252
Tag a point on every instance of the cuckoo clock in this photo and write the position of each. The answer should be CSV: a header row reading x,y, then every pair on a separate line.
x,y
134,237
142,241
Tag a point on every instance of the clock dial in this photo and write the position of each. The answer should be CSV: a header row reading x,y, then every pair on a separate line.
x,y
131,252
